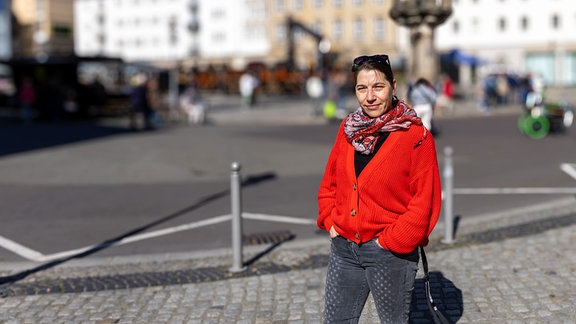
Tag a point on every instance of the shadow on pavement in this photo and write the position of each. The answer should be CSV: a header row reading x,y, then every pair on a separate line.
x,y
16,137
447,298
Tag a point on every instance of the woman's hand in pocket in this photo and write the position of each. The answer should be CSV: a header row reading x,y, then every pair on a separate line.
x,y
378,243
333,232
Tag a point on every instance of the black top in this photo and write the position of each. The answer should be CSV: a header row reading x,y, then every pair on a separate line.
x,y
361,160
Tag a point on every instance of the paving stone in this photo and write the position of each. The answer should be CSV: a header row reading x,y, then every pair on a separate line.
x,y
481,279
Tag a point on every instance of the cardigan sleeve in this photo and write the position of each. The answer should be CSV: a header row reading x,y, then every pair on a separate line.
x,y
327,190
412,228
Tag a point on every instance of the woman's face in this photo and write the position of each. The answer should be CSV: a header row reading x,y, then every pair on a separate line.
x,y
374,92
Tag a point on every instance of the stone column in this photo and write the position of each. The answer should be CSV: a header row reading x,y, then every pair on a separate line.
x,y
423,58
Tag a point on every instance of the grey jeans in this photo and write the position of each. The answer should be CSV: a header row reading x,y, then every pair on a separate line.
x,y
356,270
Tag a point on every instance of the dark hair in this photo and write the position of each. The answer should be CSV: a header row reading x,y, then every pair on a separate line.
x,y
379,62
423,81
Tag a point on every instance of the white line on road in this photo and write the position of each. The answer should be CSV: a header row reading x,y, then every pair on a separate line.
x,y
280,219
19,249
36,256
525,190
569,168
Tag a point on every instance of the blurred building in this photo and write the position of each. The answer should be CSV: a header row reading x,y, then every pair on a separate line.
x,y
350,28
232,33
5,30
171,32
480,37
512,36
42,27
135,30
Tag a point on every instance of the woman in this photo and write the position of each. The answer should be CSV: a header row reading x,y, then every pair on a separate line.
x,y
379,199
423,98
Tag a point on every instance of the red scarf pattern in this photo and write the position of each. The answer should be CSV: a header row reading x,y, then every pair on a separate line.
x,y
363,131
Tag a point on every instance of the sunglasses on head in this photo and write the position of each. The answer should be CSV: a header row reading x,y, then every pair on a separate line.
x,y
379,58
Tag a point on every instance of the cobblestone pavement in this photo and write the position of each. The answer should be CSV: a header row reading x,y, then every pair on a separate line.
x,y
517,270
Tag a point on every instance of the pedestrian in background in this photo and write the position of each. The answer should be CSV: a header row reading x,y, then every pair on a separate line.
x,y
247,85
379,199
192,105
423,99
445,102
139,103
335,102
315,90
27,95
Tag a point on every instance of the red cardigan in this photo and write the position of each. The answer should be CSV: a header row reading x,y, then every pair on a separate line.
x,y
397,196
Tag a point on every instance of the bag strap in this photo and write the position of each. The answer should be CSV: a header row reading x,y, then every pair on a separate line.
x,y
437,315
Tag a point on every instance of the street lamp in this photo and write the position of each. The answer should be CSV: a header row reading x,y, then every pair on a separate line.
x,y
421,17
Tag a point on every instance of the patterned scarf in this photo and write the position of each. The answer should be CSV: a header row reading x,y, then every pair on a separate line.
x,y
363,132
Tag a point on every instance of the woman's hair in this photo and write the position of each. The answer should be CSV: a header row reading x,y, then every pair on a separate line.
x,y
423,81
379,62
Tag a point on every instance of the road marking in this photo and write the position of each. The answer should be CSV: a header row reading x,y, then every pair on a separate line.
x,y
19,249
569,168
280,219
36,256
525,190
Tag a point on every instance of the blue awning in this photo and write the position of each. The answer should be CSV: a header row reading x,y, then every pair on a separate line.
x,y
464,58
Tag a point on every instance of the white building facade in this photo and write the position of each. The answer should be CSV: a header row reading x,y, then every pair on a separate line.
x,y
518,36
232,31
515,36
135,30
169,31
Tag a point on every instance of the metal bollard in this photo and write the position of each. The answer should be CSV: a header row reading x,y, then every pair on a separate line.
x,y
236,206
448,196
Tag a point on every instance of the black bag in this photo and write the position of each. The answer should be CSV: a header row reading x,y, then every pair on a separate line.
x,y
437,315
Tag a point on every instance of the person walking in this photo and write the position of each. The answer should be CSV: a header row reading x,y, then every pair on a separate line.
x,y
423,98
379,199
247,85
446,94
28,96
315,90
139,103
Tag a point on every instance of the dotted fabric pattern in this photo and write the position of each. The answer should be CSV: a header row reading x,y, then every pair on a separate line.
x,y
356,271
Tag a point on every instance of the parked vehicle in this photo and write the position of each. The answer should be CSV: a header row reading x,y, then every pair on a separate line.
x,y
542,118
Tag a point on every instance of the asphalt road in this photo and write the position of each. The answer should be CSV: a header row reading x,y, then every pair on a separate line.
x,y
67,186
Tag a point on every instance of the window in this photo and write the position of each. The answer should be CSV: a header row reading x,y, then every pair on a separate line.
x,y
502,24
543,64
555,22
379,28
337,30
569,77
317,4
279,5
298,4
218,37
358,28
280,33
475,25
173,30
524,23
218,14
455,26
337,3
317,27
298,35
358,3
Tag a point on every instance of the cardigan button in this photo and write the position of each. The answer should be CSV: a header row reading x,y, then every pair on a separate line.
x,y
357,236
354,187
353,212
